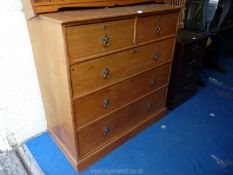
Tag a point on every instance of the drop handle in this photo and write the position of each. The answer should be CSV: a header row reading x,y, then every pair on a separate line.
x,y
106,73
149,107
158,27
106,131
106,41
106,103
156,56
152,83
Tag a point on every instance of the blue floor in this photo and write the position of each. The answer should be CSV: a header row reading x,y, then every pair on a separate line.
x,y
194,139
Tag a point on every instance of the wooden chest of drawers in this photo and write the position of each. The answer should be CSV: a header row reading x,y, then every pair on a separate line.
x,y
103,74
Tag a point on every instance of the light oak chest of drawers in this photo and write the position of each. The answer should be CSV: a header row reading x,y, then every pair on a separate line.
x,y
103,74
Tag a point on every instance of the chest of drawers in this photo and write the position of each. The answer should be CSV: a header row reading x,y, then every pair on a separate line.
x,y
103,74
186,67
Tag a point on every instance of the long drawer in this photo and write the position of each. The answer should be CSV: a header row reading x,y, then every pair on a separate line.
x,y
153,27
92,39
91,75
101,131
95,105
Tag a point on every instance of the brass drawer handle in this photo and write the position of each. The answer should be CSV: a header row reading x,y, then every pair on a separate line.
x,y
156,56
158,28
149,107
106,103
106,73
106,131
152,83
106,41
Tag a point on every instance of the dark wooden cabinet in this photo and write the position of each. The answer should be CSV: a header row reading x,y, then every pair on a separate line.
x,y
186,68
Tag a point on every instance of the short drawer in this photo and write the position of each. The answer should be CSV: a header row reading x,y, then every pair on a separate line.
x,y
92,39
90,75
95,105
153,27
103,130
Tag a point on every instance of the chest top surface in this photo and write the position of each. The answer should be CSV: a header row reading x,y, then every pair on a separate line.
x,y
73,16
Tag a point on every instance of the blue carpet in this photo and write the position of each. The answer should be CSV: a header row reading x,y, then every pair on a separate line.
x,y
227,63
196,139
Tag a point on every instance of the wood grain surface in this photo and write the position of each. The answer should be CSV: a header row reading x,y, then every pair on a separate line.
x,y
92,135
88,76
91,107
86,40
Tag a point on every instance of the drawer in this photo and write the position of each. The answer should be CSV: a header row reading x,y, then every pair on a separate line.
x,y
101,131
95,105
92,39
93,74
153,27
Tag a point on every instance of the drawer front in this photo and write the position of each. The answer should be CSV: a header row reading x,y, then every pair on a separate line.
x,y
88,40
93,74
101,131
153,27
95,105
